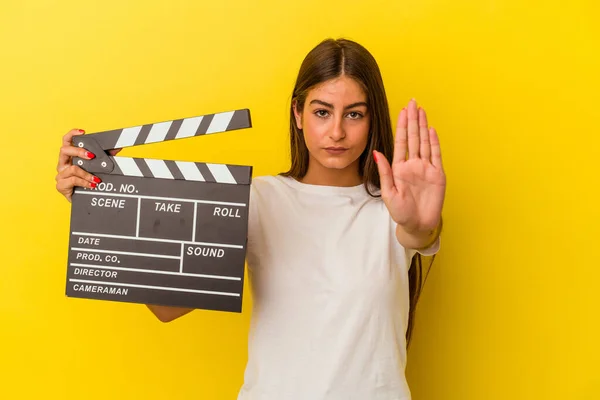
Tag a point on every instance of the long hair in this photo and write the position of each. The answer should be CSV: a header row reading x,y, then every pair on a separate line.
x,y
331,59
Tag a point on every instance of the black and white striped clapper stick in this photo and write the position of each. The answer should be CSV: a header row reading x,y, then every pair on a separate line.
x,y
160,232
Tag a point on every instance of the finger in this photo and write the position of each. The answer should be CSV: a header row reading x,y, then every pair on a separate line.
x,y
436,150
69,136
424,146
114,152
75,171
63,161
67,185
72,151
413,130
68,151
385,175
401,143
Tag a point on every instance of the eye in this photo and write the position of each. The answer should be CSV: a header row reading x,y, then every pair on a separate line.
x,y
321,113
355,115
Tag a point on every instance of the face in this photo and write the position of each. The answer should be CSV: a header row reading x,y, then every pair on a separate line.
x,y
335,122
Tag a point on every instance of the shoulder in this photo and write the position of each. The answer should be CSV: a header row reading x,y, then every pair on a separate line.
x,y
270,183
267,190
263,181
268,196
271,179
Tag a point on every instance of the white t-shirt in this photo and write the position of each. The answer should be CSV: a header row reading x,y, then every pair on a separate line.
x,y
330,295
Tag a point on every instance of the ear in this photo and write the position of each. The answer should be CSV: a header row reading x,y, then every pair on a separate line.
x,y
297,115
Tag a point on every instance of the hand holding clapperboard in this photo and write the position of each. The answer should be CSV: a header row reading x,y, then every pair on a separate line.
x,y
160,232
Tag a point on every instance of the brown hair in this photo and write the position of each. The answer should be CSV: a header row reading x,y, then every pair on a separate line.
x,y
331,59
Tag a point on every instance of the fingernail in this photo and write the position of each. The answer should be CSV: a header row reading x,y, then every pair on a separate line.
x,y
90,155
96,179
375,156
93,185
81,130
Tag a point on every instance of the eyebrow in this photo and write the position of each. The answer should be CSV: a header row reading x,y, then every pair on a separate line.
x,y
360,103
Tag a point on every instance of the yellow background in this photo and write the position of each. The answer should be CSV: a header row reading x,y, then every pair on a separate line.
x,y
510,310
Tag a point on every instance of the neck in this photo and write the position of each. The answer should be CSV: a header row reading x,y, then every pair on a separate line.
x,y
319,175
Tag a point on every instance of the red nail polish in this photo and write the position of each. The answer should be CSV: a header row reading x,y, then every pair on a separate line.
x,y
96,179
93,185
90,154
81,130
375,156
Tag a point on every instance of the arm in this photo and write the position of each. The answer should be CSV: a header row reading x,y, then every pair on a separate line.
x,y
418,240
413,187
168,314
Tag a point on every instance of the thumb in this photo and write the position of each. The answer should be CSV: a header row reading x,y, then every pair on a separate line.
x,y
385,174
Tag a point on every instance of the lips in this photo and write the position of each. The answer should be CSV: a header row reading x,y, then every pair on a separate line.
x,y
335,150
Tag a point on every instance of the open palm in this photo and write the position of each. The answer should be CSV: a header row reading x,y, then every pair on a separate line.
x,y
414,186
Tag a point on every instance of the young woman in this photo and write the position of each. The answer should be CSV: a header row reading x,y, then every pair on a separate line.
x,y
334,244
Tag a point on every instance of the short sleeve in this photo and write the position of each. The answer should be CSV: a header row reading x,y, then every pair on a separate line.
x,y
253,238
432,249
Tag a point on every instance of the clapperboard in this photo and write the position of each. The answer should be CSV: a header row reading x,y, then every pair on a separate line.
x,y
159,231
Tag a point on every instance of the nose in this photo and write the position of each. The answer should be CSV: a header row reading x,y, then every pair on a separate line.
x,y
337,132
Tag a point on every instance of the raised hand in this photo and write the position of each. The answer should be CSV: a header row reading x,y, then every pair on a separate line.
x,y
413,188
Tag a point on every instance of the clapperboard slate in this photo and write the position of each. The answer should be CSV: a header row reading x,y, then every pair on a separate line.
x,y
156,231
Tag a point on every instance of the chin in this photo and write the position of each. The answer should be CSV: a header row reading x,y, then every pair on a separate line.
x,y
336,163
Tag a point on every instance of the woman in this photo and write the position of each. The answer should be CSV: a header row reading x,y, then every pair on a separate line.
x,y
330,241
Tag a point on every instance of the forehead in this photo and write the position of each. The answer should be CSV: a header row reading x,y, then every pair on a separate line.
x,y
338,90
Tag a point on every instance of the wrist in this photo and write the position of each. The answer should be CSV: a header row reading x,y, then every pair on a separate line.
x,y
418,239
433,237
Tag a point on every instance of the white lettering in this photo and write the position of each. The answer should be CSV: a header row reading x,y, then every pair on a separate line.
x,y
111,259
95,272
127,188
100,289
227,212
205,252
167,207
90,241
105,187
88,256
110,203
